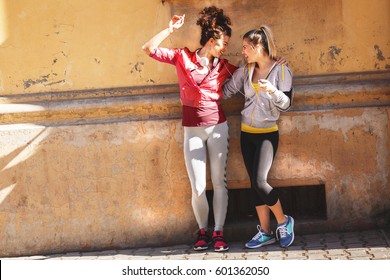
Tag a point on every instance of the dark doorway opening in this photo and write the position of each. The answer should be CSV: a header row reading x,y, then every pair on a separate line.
x,y
304,203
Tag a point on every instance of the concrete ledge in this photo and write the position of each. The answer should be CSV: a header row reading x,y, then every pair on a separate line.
x,y
162,102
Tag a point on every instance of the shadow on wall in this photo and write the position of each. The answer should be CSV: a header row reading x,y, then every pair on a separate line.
x,y
91,187
16,153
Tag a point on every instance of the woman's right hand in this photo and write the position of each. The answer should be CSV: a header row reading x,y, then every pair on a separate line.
x,y
176,22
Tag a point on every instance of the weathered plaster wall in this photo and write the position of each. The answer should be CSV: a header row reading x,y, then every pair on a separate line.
x,y
60,45
77,187
90,133
76,182
317,37
76,45
343,154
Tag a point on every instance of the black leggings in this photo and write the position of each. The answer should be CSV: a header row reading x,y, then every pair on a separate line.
x,y
258,151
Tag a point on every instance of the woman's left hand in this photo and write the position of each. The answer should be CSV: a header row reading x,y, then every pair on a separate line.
x,y
281,60
265,85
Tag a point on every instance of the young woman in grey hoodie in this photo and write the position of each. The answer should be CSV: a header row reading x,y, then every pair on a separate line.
x,y
267,88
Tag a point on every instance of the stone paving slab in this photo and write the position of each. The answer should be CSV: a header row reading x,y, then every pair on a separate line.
x,y
365,245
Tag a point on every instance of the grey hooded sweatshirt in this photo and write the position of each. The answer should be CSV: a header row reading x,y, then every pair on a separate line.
x,y
261,110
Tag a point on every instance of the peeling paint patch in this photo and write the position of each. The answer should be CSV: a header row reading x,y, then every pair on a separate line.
x,y
28,83
287,48
333,52
331,57
380,59
310,40
43,80
379,54
57,82
138,67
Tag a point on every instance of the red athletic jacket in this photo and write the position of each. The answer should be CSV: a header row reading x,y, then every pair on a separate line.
x,y
206,94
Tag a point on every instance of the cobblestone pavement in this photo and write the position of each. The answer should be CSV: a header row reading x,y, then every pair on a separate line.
x,y
364,245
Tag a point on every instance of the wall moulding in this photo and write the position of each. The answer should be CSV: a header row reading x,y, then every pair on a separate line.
x,y
323,92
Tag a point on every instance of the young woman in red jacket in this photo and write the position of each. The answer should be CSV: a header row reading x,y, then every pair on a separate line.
x,y
201,74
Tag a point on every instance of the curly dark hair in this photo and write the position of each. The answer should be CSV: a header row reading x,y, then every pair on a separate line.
x,y
214,23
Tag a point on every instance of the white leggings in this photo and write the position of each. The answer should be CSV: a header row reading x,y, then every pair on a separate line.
x,y
198,141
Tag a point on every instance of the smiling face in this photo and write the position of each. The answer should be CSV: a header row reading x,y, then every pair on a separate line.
x,y
249,51
219,46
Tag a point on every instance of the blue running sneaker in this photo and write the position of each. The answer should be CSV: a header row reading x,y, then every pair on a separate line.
x,y
261,239
285,232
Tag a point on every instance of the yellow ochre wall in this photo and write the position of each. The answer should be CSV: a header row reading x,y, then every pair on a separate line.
x,y
90,131
61,45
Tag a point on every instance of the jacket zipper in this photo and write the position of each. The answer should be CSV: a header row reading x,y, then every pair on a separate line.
x,y
257,92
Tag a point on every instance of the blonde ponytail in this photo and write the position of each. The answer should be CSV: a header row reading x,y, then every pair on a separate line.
x,y
270,41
